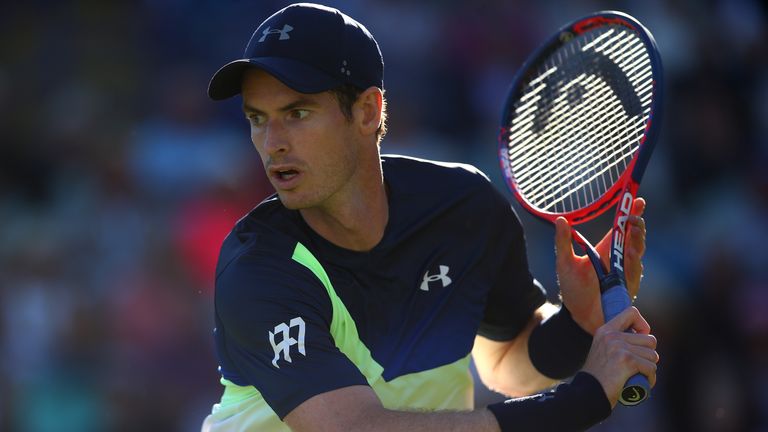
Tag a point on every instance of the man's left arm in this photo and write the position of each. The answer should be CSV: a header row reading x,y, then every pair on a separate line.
x,y
506,367
559,340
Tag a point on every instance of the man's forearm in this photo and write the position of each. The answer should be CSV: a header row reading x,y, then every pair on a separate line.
x,y
357,408
506,366
571,407
481,420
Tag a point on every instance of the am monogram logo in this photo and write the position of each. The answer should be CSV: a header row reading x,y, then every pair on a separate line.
x,y
284,347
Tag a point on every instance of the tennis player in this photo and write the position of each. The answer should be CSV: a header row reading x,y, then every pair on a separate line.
x,y
353,297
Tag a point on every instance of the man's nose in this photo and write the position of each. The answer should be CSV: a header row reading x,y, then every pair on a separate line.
x,y
275,138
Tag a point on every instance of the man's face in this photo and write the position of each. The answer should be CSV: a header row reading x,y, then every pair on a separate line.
x,y
308,147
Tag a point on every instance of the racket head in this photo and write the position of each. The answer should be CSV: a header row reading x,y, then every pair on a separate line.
x,y
596,77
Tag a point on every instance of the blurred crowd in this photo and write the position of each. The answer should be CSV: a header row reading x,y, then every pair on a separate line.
x,y
119,180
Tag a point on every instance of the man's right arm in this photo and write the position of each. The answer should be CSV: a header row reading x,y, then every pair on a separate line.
x,y
357,408
614,357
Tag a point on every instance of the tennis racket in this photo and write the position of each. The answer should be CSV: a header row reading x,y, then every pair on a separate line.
x,y
577,131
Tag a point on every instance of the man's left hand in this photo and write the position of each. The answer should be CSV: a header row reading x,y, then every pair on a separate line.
x,y
579,287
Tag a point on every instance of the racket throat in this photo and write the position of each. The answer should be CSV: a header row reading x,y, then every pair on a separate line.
x,y
592,254
606,279
609,280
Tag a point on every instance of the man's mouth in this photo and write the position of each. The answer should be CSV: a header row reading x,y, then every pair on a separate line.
x,y
286,174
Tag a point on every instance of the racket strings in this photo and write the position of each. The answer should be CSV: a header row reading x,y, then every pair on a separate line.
x,y
590,132
582,154
606,115
574,156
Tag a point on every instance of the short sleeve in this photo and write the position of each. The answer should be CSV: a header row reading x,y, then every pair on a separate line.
x,y
273,332
514,293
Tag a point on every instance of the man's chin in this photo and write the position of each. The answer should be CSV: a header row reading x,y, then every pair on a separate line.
x,y
290,202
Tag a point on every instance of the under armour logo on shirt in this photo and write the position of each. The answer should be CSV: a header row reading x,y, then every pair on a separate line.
x,y
284,347
442,277
283,33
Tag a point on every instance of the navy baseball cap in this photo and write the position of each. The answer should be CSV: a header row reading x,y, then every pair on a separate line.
x,y
310,48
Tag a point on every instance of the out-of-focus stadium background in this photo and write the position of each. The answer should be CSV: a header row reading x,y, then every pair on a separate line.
x,y
119,179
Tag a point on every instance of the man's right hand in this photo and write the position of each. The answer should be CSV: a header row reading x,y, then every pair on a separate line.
x,y
616,355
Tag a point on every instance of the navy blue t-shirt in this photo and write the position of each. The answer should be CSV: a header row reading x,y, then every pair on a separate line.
x,y
451,264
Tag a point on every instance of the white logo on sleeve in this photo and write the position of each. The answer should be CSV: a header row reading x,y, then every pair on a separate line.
x,y
442,277
282,32
287,341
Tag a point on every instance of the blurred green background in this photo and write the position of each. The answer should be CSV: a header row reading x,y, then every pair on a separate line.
x,y
119,180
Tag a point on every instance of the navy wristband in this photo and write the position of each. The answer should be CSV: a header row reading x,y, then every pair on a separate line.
x,y
558,346
571,407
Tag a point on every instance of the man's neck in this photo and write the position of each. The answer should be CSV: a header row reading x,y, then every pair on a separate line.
x,y
359,226
358,221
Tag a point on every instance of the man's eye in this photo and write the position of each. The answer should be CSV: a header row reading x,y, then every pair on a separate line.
x,y
256,119
299,114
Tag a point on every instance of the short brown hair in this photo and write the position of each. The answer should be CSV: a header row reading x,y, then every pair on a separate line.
x,y
347,96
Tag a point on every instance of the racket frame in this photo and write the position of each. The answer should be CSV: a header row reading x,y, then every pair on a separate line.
x,y
614,295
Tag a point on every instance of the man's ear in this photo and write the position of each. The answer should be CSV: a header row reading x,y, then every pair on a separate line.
x,y
367,110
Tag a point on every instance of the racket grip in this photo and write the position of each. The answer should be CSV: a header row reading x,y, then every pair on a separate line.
x,y
637,388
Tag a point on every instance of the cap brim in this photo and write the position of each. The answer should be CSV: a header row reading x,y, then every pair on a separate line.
x,y
227,81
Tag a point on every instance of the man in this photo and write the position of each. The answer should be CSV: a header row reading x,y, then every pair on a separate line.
x,y
352,299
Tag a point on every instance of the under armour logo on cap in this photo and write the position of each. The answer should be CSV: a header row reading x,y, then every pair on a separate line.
x,y
283,33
